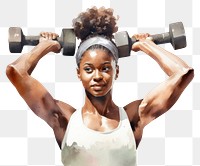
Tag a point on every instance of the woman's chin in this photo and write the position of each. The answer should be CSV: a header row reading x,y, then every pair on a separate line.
x,y
99,93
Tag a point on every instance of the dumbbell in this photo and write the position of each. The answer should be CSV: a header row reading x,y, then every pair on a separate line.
x,y
17,40
175,36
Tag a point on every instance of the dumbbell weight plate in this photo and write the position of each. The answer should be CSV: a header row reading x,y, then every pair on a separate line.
x,y
123,43
68,43
178,39
15,39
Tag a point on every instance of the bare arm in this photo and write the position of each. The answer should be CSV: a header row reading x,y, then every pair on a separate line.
x,y
164,96
34,93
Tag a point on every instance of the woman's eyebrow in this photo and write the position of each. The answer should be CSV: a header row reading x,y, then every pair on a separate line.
x,y
107,62
87,63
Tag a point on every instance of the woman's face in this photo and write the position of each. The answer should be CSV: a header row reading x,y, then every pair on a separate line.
x,y
97,71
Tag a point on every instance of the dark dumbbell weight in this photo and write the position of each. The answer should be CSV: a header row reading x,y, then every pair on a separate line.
x,y
17,40
175,36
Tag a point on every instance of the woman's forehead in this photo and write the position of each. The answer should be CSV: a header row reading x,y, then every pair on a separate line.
x,y
96,58
100,55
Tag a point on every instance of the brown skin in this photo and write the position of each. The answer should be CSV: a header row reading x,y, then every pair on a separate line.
x,y
97,72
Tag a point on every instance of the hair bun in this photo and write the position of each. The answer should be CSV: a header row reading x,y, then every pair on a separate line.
x,y
95,22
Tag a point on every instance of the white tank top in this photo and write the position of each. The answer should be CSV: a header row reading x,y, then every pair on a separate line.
x,y
82,146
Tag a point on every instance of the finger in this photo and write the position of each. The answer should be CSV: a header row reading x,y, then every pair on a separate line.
x,y
135,47
45,35
42,34
54,36
49,35
144,35
148,35
135,36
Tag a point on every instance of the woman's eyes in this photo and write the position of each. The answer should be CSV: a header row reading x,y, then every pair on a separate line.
x,y
88,69
103,69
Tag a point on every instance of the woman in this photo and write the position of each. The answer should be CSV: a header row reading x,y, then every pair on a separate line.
x,y
100,133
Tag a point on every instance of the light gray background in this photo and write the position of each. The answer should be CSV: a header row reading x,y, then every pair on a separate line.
x,y
172,140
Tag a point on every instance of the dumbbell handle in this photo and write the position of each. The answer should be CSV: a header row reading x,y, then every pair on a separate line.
x,y
161,38
34,40
157,38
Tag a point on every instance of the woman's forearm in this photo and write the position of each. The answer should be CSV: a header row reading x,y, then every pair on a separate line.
x,y
27,62
169,62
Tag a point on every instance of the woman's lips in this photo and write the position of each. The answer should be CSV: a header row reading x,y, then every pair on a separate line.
x,y
98,86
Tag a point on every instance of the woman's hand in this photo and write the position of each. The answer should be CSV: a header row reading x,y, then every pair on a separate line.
x,y
50,37
141,39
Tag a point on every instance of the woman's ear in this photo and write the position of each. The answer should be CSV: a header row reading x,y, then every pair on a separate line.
x,y
117,72
78,73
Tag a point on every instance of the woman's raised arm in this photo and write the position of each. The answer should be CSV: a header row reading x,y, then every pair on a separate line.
x,y
40,101
164,96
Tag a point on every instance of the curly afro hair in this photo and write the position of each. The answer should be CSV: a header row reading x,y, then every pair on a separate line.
x,y
95,22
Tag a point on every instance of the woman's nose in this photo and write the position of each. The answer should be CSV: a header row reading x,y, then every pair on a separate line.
x,y
97,75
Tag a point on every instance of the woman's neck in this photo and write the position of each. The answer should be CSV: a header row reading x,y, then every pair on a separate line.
x,y
103,105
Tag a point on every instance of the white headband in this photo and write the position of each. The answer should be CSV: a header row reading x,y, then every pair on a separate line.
x,y
99,41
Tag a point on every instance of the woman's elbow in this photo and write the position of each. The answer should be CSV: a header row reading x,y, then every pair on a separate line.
x,y
12,72
188,75
191,73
